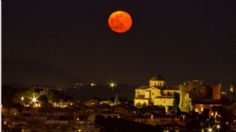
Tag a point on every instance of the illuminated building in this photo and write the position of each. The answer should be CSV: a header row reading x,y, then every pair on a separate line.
x,y
62,104
217,92
158,94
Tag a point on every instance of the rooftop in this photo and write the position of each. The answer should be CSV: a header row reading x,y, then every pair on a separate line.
x,y
143,87
157,77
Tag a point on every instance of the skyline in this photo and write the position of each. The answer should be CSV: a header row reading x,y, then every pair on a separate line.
x,y
178,40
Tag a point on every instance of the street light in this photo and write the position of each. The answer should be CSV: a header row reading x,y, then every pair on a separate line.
x,y
92,84
218,127
34,99
209,129
22,98
112,84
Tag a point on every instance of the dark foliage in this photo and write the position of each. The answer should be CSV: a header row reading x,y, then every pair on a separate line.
x,y
121,125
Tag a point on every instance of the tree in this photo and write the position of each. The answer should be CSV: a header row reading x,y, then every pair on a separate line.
x,y
176,101
44,100
117,101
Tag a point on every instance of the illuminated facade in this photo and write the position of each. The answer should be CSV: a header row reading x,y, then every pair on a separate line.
x,y
158,94
231,88
217,92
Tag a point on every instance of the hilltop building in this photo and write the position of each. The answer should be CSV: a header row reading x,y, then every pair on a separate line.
x,y
158,94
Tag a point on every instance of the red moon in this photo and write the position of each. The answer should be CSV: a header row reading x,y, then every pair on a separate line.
x,y
120,21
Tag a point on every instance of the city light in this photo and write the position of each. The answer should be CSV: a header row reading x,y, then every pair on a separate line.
x,y
231,89
22,98
210,130
212,114
34,100
112,84
37,105
92,84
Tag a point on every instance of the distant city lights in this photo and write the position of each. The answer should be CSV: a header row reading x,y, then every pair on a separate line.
x,y
22,98
112,84
210,130
92,84
34,100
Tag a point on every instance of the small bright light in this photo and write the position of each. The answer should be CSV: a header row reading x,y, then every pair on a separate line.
x,y
22,98
92,84
112,84
218,126
202,108
209,129
212,114
34,99
79,130
152,117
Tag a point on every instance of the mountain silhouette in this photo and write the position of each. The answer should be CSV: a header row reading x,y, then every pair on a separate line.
x,y
31,72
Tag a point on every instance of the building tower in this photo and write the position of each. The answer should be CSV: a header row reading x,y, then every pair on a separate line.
x,y
157,81
217,92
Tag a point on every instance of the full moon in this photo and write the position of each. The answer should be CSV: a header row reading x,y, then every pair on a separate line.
x,y
120,21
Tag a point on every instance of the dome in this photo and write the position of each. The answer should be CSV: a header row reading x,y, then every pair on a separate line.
x,y
158,77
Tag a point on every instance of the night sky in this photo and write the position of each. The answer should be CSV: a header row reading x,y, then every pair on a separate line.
x,y
178,39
